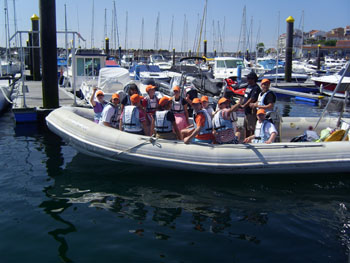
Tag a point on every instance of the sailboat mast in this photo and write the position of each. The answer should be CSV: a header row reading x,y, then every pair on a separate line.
x,y
105,25
141,37
78,28
156,37
171,41
251,35
243,32
257,41
201,29
184,43
214,36
93,24
116,24
220,37
15,21
7,32
278,45
197,33
224,35
65,30
302,35
126,31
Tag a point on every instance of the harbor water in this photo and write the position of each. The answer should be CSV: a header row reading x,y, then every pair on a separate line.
x,y
58,205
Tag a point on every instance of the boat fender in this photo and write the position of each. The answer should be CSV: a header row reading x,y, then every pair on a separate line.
x,y
336,136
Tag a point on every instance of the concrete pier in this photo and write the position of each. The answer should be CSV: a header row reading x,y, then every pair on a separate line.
x,y
28,107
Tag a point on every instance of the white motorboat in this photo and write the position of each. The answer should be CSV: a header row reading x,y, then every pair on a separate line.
x,y
279,75
303,67
87,66
110,80
76,127
227,67
127,60
11,67
329,82
142,72
160,61
333,65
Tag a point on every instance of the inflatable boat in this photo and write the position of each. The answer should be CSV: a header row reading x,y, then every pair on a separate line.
x,y
75,125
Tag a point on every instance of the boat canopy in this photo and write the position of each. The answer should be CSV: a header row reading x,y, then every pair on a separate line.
x,y
113,78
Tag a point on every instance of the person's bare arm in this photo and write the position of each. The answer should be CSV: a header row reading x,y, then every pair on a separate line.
x,y
272,138
188,139
92,98
152,131
186,113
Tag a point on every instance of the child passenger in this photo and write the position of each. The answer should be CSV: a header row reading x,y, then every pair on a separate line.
x,y
224,130
206,106
164,123
99,104
179,108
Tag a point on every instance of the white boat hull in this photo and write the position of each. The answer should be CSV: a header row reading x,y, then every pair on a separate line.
x,y
76,127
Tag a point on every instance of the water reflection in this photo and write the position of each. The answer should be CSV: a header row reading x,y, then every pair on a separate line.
x,y
55,207
216,204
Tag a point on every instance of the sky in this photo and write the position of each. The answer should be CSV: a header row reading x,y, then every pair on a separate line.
x,y
265,20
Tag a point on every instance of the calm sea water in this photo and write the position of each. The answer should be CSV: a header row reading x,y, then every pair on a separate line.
x,y
57,205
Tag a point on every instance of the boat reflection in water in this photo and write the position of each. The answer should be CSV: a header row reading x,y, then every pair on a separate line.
x,y
191,209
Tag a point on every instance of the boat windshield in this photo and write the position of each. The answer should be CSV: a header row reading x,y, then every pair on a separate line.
x,y
234,63
341,72
88,66
146,68
157,58
230,63
268,64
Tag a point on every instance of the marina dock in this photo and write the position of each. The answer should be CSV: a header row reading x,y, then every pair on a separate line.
x,y
28,105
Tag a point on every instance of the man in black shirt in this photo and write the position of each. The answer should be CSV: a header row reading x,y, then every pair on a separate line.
x,y
266,98
250,96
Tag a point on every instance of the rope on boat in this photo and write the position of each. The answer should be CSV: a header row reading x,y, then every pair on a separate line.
x,y
154,141
151,140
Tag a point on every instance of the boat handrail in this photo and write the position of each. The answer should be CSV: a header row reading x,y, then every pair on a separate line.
x,y
347,68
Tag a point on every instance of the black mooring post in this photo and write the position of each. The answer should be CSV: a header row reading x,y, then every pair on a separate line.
x,y
107,46
173,56
318,57
120,55
35,48
48,42
289,50
30,54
